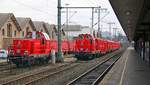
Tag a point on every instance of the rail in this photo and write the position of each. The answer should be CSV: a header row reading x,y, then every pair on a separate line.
x,y
94,75
31,77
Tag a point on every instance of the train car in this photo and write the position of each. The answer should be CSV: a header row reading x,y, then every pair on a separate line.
x,y
66,46
100,46
88,47
105,48
37,46
34,48
116,45
71,45
110,45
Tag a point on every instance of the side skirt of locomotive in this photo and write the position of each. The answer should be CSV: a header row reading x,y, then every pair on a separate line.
x,y
21,61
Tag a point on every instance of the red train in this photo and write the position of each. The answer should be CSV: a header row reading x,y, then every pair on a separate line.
x,y
88,47
36,48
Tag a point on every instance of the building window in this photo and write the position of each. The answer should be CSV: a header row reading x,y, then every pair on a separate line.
x,y
23,34
15,33
3,32
53,34
27,30
9,30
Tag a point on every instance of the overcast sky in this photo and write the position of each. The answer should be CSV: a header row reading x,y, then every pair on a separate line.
x,y
46,10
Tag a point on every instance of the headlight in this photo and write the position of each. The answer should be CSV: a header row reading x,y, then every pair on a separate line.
x,y
25,52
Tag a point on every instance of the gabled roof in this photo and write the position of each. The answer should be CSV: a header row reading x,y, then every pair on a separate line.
x,y
50,27
40,25
5,16
23,21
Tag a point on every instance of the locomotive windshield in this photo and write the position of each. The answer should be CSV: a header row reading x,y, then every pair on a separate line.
x,y
89,38
37,35
81,37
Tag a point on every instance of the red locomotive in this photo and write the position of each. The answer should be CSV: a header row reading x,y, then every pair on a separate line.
x,y
88,47
36,48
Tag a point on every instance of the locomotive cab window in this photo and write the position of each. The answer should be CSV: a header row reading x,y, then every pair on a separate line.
x,y
81,37
90,38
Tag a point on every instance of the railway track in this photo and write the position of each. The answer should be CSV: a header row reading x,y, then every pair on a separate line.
x,y
94,75
3,63
43,75
5,66
31,78
54,80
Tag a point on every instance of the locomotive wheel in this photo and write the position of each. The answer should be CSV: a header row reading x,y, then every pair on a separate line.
x,y
48,58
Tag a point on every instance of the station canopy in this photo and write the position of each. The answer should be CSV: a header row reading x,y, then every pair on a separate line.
x,y
134,16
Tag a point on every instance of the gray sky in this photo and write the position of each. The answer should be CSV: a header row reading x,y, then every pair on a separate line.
x,y
46,10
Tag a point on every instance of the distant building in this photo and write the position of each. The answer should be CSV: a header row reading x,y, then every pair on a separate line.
x,y
72,27
86,30
26,25
15,28
75,30
51,30
9,29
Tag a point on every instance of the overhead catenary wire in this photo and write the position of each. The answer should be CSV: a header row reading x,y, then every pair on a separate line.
x,y
101,19
33,8
69,18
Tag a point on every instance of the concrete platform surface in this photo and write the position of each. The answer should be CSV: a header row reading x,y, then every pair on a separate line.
x,y
130,69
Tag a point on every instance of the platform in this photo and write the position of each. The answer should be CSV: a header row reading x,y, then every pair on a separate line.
x,y
130,69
